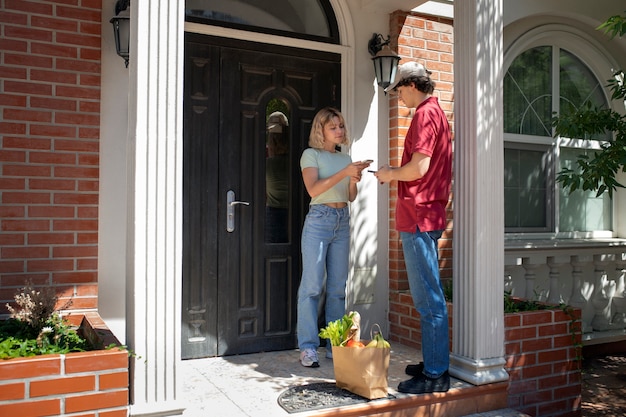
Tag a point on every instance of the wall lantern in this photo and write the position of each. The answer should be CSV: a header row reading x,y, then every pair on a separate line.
x,y
385,60
121,29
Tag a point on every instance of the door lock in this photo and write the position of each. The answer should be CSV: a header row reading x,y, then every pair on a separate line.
x,y
230,210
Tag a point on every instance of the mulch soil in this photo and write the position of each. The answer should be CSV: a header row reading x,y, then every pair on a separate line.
x,y
604,385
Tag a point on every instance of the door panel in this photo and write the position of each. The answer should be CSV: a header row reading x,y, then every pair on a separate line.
x,y
239,287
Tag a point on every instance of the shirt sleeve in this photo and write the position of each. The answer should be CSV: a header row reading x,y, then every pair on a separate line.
x,y
309,159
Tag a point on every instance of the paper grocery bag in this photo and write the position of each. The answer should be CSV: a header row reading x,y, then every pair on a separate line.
x,y
362,370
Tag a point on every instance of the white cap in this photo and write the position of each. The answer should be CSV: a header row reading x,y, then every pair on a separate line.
x,y
276,121
406,70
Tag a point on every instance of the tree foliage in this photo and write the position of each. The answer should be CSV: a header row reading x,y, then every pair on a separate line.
x,y
597,171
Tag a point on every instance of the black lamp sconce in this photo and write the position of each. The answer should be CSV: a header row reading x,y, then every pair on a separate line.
x,y
121,29
385,60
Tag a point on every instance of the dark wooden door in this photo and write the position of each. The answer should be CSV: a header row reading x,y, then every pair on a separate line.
x,y
239,286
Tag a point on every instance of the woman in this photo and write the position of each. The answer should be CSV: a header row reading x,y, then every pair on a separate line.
x,y
330,178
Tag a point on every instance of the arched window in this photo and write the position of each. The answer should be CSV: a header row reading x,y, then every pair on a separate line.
x,y
304,19
548,74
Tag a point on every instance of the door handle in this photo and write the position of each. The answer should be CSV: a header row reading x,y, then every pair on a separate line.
x,y
230,210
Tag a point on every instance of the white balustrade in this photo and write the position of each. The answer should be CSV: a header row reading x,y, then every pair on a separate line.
x,y
584,273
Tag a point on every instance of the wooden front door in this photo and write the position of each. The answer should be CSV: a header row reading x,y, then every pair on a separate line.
x,y
240,283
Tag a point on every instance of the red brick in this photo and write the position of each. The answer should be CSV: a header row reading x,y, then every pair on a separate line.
x,y
27,143
24,252
75,404
52,103
50,238
54,24
65,198
113,380
27,87
30,61
531,372
50,265
12,100
53,131
11,238
31,367
78,92
12,391
32,408
520,333
83,225
77,145
75,251
79,13
12,128
53,185
12,156
12,183
96,361
65,385
533,345
53,76
26,170
51,211
56,158
25,198
537,317
25,225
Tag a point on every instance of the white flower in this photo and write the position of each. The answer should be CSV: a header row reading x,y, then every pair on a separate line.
x,y
46,329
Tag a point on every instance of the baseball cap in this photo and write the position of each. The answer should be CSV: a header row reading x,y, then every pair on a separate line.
x,y
276,121
406,70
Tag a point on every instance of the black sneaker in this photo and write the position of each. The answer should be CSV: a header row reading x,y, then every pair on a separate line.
x,y
415,370
421,384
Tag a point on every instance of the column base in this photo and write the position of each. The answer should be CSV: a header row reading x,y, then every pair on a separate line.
x,y
478,372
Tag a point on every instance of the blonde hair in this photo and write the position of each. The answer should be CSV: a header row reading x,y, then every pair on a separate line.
x,y
321,119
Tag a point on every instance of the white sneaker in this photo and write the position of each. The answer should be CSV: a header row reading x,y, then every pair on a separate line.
x,y
308,358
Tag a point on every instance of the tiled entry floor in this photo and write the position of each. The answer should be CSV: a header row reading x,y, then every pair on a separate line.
x,y
249,385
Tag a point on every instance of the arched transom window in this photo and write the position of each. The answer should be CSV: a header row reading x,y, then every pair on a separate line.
x,y
305,19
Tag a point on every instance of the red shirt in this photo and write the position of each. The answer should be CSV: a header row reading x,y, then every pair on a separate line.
x,y
422,203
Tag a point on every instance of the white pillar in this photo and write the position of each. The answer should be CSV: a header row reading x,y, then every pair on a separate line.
x,y
154,254
478,338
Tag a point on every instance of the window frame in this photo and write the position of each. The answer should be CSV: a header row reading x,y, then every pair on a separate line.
x,y
579,44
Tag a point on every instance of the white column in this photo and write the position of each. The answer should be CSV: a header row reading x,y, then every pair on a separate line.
x,y
154,255
478,338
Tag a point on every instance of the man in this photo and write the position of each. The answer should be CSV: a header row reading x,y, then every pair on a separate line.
x,y
424,178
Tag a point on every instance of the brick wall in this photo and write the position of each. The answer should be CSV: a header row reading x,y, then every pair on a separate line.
x,y
427,40
543,353
49,141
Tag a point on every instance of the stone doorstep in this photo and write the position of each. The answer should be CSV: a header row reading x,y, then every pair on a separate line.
x,y
505,412
454,403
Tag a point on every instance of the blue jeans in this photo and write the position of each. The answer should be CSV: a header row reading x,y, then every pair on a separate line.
x,y
325,257
422,267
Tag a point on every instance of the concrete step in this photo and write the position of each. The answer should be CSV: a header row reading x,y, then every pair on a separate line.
x,y
505,412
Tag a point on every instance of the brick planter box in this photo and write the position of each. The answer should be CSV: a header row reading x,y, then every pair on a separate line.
x,y
542,353
543,358
85,384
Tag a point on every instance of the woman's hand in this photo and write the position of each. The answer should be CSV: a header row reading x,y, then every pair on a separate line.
x,y
355,170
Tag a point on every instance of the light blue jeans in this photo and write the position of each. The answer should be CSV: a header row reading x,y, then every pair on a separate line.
x,y
422,267
325,257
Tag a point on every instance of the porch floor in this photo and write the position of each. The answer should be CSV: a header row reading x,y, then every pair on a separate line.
x,y
249,386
